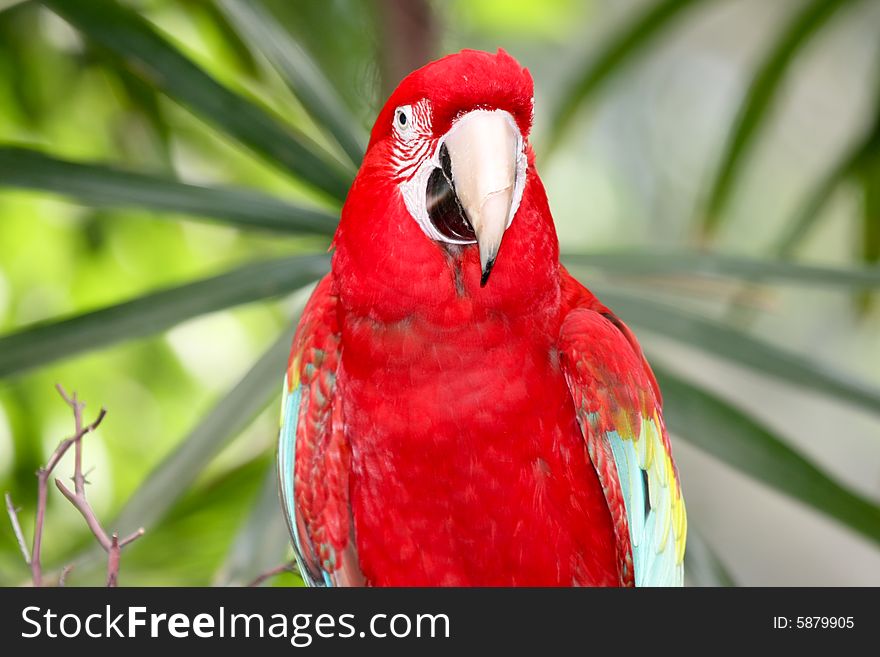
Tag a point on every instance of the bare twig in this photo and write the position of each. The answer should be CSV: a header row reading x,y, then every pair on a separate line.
x,y
16,527
77,406
111,544
135,535
288,567
62,580
44,473
113,562
85,509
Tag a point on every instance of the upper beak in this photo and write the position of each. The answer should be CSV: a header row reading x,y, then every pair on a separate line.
x,y
483,148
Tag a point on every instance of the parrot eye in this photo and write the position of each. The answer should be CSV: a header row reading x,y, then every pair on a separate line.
x,y
403,119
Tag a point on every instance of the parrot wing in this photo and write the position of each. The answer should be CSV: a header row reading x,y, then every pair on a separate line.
x,y
313,453
618,405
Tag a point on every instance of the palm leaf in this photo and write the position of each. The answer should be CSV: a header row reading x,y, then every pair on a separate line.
x,y
628,43
726,433
9,4
759,100
741,348
694,263
46,342
261,543
807,214
176,473
870,175
227,419
861,155
148,54
104,186
702,566
190,542
301,73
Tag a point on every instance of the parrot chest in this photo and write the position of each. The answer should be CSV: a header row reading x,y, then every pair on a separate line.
x,y
468,467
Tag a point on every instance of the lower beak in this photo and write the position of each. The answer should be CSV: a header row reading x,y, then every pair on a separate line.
x,y
483,148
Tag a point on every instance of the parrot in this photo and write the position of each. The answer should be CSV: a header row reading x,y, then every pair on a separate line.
x,y
457,409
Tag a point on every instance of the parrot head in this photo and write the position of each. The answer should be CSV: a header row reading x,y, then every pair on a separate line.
x,y
447,179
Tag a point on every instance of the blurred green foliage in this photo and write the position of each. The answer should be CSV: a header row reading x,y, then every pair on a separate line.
x,y
170,173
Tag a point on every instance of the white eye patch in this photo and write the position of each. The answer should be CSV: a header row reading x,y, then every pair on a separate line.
x,y
443,221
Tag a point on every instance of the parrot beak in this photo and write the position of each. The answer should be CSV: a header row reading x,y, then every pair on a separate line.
x,y
484,148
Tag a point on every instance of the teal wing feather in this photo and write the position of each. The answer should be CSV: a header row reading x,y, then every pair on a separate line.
x,y
313,452
619,406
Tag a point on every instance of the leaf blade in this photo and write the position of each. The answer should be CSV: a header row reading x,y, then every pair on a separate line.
x,y
730,435
808,213
150,55
741,348
262,540
702,565
104,186
640,263
870,178
861,155
299,71
758,101
627,44
224,422
154,312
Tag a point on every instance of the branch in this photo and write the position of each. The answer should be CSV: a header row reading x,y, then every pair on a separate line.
x,y
135,535
409,37
85,509
113,562
44,473
16,527
62,580
111,544
288,567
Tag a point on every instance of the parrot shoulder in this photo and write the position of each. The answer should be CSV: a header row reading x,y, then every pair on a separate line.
x,y
313,453
619,409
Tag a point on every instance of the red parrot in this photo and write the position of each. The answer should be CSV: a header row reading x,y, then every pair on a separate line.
x,y
458,410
